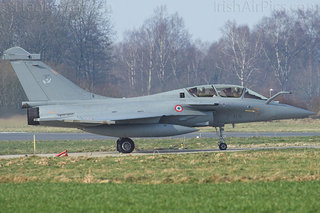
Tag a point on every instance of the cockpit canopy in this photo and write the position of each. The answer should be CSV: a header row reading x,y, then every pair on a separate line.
x,y
225,91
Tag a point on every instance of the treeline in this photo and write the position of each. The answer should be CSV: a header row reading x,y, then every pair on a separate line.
x,y
281,52
73,36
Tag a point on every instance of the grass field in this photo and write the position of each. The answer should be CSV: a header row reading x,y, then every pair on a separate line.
x,y
233,197
250,181
253,166
260,181
19,124
26,147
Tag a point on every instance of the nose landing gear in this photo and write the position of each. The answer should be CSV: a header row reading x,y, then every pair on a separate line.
x,y
125,145
222,145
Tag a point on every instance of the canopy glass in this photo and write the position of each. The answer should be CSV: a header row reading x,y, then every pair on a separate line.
x,y
224,91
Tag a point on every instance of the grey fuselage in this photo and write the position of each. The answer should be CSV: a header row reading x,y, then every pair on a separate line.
x,y
159,116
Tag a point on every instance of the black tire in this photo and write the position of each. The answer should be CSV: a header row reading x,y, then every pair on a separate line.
x,y
118,145
125,145
223,146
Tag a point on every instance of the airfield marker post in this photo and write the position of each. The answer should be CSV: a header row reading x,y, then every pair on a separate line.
x,y
34,143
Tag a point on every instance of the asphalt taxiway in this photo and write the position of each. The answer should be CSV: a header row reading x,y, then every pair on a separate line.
x,y
24,136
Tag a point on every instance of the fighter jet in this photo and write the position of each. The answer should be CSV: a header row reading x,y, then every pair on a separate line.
x,y
55,101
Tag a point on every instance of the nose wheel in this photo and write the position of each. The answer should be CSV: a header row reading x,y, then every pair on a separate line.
x,y
125,145
222,145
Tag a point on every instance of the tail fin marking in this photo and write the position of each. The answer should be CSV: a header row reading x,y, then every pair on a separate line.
x,y
40,82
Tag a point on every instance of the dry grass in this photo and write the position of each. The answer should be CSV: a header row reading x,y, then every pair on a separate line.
x,y
271,165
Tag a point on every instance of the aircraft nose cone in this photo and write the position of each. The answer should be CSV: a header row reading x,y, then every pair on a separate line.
x,y
290,112
300,113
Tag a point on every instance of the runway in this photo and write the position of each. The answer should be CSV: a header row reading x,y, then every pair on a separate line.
x,y
24,136
158,152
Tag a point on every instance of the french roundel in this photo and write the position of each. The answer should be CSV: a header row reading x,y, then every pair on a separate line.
x,y
178,108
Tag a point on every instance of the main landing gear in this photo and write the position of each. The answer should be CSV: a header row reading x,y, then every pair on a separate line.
x,y
221,143
125,145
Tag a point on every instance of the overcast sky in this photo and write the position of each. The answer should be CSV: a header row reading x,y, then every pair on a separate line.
x,y
203,18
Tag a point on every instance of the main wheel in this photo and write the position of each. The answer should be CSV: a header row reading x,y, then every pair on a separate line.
x,y
223,146
118,145
125,145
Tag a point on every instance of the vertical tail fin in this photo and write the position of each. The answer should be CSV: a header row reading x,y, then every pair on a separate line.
x,y
39,81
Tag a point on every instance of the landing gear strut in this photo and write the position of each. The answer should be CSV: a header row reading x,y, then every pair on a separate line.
x,y
125,145
221,143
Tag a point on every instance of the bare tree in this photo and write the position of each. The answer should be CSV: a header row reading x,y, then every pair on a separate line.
x,y
69,34
282,44
153,51
168,36
90,30
242,48
307,64
215,65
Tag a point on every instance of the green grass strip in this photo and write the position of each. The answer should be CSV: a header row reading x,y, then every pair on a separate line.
x,y
234,197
